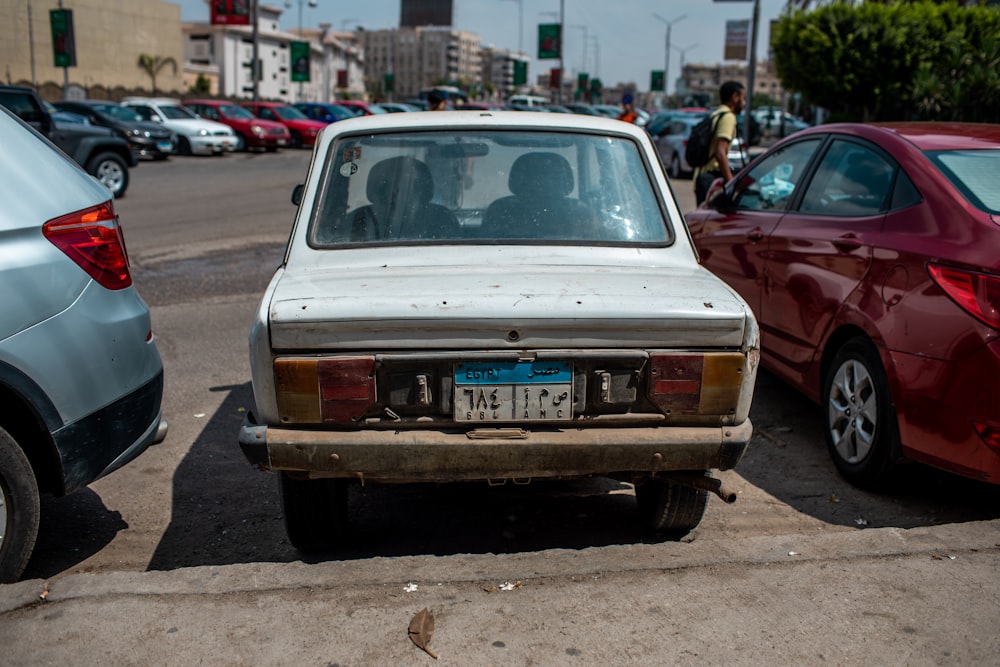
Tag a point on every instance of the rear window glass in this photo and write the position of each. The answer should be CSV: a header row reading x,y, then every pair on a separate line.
x,y
487,186
975,173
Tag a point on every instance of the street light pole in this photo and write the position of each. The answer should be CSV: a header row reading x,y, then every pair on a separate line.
x,y
520,25
666,58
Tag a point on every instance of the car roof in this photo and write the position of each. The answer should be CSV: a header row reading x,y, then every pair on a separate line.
x,y
925,136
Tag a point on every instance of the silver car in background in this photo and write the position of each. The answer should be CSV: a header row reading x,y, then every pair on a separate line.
x,y
81,379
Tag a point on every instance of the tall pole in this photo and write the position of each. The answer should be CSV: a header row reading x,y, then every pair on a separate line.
x,y
254,65
31,46
520,25
300,39
562,38
751,74
666,56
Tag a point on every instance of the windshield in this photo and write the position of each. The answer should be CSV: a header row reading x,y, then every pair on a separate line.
x,y
487,186
976,174
234,111
176,112
289,113
117,112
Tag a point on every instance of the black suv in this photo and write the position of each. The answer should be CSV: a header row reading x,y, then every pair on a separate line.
x,y
150,140
102,152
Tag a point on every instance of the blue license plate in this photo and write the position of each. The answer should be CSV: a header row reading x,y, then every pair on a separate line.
x,y
513,391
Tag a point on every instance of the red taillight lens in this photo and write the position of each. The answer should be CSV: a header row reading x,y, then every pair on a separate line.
x,y
330,391
977,293
989,433
93,239
696,384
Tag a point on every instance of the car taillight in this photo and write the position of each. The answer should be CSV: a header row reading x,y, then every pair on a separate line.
x,y
696,384
989,433
93,239
977,293
328,391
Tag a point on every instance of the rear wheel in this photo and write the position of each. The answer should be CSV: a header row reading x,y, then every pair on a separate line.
x,y
675,167
20,509
862,434
184,146
296,140
315,511
669,508
111,171
241,143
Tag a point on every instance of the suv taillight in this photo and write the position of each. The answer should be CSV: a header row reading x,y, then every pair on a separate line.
x,y
93,239
977,293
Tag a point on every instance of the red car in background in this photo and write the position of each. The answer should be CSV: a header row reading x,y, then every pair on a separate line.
x,y
871,257
251,132
301,127
361,108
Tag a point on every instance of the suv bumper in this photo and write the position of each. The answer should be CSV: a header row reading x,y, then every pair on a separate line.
x,y
425,455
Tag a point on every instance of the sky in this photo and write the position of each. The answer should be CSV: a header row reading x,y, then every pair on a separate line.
x,y
625,39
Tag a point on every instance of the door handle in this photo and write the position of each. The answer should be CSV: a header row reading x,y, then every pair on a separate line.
x,y
847,243
755,234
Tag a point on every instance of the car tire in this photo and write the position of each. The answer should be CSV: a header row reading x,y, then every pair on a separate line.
x,y
675,167
862,433
20,509
241,143
110,169
296,140
184,146
668,508
315,511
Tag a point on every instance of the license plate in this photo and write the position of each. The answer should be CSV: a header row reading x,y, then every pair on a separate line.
x,y
281,142
165,146
514,391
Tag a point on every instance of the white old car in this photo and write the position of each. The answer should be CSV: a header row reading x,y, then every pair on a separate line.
x,y
479,295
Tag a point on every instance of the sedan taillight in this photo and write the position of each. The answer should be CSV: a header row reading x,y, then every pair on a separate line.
x,y
327,391
696,384
93,239
977,293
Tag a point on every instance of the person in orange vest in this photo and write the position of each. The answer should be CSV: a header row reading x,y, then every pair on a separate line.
x,y
628,113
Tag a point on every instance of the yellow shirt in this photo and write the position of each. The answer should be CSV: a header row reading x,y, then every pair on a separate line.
x,y
725,129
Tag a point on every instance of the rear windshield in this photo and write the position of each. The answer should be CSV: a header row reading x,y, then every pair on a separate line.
x,y
975,173
489,186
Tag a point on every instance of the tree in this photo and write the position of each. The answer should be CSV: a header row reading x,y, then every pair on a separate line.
x,y
893,60
152,65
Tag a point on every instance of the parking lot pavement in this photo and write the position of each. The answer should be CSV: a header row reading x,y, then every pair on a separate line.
x,y
875,596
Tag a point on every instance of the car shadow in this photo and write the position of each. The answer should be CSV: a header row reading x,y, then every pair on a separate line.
x,y
225,511
72,529
788,459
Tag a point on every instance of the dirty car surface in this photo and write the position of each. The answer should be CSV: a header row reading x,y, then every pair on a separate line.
x,y
494,296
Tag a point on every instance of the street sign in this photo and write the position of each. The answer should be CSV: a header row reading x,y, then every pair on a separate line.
x,y
520,72
299,52
230,12
63,44
656,80
549,40
737,39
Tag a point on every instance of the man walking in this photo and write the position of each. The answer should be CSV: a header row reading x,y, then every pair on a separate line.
x,y
733,96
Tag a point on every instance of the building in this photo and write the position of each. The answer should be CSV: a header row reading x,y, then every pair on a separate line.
x,y
110,37
418,58
698,80
222,55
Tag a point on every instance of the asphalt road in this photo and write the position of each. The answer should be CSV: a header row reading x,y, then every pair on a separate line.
x,y
204,235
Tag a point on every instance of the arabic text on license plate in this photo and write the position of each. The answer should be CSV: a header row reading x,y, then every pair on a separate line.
x,y
514,391
165,146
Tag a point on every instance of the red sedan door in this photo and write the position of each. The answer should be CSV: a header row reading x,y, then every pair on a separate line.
x,y
820,253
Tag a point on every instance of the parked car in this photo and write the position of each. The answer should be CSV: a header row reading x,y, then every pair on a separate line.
x,y
771,125
324,112
81,380
672,141
871,256
105,154
302,128
149,140
658,124
494,296
397,107
251,132
195,135
361,108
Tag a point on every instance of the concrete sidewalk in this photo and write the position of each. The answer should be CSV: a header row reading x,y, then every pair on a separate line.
x,y
874,596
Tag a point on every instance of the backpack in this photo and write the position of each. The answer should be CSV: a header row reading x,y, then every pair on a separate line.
x,y
698,144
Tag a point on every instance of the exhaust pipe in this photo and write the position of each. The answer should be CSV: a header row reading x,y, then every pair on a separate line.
x,y
703,482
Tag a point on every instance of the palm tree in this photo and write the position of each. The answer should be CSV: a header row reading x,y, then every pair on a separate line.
x,y
152,65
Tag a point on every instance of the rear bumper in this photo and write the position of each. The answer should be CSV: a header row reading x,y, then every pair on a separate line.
x,y
423,455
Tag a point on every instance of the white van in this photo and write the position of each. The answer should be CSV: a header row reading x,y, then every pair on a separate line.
x,y
528,100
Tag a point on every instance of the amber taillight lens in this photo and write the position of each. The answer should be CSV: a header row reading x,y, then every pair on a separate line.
x,y
696,384
327,391
93,239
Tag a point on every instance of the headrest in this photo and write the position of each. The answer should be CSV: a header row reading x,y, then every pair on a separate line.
x,y
541,175
400,177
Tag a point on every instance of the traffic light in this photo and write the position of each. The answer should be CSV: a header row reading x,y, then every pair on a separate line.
x,y
63,44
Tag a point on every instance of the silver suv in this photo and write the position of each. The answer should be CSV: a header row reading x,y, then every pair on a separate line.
x,y
80,376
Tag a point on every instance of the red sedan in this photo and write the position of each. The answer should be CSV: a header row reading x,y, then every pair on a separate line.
x,y
301,127
251,132
871,257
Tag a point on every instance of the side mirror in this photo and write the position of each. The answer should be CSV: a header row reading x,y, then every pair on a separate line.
x,y
297,193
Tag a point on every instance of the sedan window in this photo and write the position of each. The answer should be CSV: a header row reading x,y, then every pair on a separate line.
x,y
772,182
851,181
